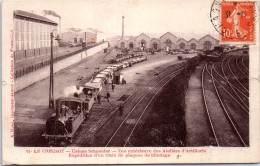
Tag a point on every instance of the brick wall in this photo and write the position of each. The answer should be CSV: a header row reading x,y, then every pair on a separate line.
x,y
31,78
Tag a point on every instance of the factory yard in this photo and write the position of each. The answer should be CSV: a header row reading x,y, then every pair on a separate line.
x,y
166,102
32,102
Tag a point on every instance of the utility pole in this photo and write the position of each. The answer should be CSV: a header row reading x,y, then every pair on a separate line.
x,y
51,88
51,96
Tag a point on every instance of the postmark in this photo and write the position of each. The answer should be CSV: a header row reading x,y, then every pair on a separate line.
x,y
234,21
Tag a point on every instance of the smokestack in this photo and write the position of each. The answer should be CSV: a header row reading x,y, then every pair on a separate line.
x,y
123,27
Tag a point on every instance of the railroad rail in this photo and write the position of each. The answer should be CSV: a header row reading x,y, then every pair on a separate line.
x,y
239,68
230,127
228,63
244,63
122,127
112,108
234,88
244,106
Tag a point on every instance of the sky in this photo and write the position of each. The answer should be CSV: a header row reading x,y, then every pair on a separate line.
x,y
149,16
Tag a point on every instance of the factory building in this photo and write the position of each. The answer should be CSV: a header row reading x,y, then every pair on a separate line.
x,y
77,35
32,35
167,41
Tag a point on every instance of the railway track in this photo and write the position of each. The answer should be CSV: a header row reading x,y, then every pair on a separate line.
x,y
91,127
233,84
244,63
235,96
112,123
224,129
121,136
239,68
236,78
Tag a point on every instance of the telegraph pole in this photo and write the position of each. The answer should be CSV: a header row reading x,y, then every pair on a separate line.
x,y
51,96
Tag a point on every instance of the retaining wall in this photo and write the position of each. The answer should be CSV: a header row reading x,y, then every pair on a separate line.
x,y
31,78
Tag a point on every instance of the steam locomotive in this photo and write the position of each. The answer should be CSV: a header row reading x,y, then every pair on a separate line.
x,y
70,112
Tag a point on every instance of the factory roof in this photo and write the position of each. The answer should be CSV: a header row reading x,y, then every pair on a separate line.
x,y
32,16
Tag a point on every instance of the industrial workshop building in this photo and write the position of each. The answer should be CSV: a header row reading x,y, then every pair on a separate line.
x,y
77,35
167,41
32,35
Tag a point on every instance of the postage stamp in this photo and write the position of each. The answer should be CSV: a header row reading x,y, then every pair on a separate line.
x,y
237,20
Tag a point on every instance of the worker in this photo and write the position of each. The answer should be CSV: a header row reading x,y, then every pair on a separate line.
x,y
108,96
78,109
99,99
113,87
121,109
123,81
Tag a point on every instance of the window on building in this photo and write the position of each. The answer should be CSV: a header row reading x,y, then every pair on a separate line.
x,y
27,40
27,26
22,45
17,46
193,46
182,45
32,36
22,36
27,36
16,36
28,45
16,25
31,26
32,44
22,25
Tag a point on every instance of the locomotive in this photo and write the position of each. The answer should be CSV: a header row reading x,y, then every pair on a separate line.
x,y
70,112
62,125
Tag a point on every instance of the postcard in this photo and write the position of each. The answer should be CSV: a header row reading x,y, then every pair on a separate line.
x,y
130,82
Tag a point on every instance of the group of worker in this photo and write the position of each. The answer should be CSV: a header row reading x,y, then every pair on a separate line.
x,y
121,107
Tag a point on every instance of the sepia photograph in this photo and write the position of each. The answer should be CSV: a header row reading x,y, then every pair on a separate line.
x,y
130,81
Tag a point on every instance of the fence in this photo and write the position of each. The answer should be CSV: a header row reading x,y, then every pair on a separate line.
x,y
32,68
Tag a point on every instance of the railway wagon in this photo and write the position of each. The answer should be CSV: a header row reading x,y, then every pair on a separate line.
x,y
212,55
62,125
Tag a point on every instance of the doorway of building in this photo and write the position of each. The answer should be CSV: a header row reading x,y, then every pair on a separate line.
x,y
143,45
155,46
182,46
207,45
131,45
122,45
193,46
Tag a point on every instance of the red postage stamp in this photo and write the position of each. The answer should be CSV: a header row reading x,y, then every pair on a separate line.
x,y
237,22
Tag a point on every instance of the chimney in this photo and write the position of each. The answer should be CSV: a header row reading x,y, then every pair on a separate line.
x,y
123,27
